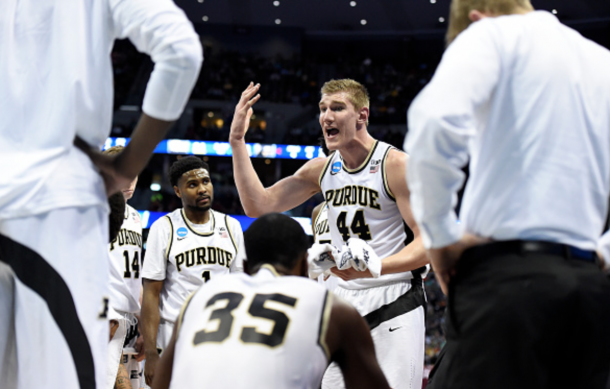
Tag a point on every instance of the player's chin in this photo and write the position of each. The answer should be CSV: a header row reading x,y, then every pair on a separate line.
x,y
204,208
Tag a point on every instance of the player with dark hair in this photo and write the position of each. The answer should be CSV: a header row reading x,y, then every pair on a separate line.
x,y
126,287
184,165
270,330
185,248
117,205
118,376
57,101
364,185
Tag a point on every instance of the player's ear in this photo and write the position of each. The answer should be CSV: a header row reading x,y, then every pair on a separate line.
x,y
475,15
177,191
363,115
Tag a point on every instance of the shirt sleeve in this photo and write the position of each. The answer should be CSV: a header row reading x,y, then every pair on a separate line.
x,y
442,121
155,260
238,235
160,29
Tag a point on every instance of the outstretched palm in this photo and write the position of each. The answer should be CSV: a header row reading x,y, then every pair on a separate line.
x,y
243,112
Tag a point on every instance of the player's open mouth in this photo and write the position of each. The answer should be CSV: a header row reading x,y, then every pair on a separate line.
x,y
203,199
330,132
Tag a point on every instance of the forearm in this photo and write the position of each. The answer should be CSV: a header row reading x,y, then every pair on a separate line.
x,y
145,138
251,191
150,322
165,367
122,378
411,257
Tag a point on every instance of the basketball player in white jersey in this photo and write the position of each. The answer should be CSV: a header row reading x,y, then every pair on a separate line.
x,y
271,330
365,188
118,377
185,248
125,253
321,229
56,87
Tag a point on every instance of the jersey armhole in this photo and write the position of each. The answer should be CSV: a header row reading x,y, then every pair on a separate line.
x,y
326,165
315,222
384,176
324,319
231,234
171,237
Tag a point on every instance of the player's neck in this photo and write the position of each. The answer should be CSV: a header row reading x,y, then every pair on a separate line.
x,y
197,216
356,152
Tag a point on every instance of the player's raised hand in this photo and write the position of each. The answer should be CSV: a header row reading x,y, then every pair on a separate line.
x,y
243,112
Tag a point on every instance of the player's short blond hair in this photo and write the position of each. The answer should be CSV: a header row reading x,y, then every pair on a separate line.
x,y
356,92
459,19
113,150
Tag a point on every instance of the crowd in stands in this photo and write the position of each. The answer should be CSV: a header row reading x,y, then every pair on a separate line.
x,y
296,80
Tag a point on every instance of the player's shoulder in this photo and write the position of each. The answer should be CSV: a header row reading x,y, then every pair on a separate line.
x,y
305,285
168,220
132,212
230,221
396,158
315,166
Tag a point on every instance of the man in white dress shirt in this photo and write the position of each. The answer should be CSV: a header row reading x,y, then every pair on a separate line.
x,y
527,99
56,78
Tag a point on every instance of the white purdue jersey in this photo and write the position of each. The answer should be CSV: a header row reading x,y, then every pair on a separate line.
x,y
265,331
125,264
184,255
360,204
321,229
321,234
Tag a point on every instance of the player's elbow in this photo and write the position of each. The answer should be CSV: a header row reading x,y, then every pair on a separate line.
x,y
188,55
253,212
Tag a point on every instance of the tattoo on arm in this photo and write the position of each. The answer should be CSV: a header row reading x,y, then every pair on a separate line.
x,y
122,379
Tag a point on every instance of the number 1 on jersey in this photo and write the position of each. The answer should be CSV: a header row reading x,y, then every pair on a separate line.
x,y
205,275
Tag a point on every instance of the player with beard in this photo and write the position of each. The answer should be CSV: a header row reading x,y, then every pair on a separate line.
x,y
186,248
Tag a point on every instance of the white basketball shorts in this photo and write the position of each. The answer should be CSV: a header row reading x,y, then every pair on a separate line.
x,y
395,313
53,299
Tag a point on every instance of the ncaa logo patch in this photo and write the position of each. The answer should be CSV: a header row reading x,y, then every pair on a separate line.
x,y
181,232
336,168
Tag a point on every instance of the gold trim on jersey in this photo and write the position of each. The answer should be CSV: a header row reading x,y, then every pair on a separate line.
x,y
231,235
190,227
270,268
315,222
326,165
171,237
182,312
384,174
366,161
324,320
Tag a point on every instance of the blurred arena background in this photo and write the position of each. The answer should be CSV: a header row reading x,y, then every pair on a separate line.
x,y
291,47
